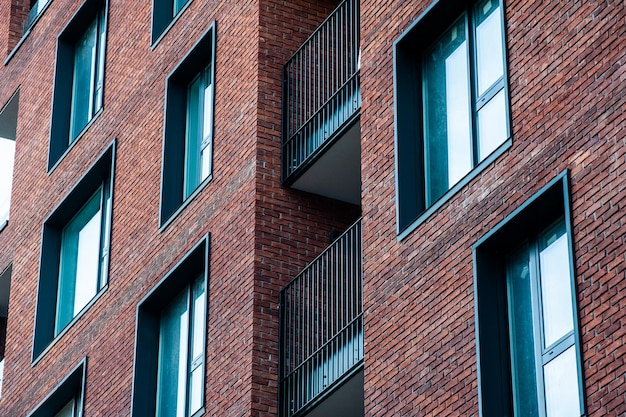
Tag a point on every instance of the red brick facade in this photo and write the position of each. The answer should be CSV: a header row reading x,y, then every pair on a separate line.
x,y
566,77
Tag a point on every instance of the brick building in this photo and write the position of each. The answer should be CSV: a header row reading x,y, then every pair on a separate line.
x,y
312,208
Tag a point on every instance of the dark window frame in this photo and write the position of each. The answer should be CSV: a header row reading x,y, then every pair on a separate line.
x,y
201,55
100,174
71,387
411,206
550,203
62,98
179,277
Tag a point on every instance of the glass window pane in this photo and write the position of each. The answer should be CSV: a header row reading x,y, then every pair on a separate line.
x,y
556,290
67,411
196,390
79,261
492,131
523,352
561,379
207,129
489,50
7,155
87,261
199,319
99,77
82,85
178,5
447,112
192,136
172,368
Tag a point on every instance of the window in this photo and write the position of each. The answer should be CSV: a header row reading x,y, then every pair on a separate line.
x,y
171,339
79,77
198,132
188,138
163,14
526,312
5,289
75,252
8,128
66,400
451,100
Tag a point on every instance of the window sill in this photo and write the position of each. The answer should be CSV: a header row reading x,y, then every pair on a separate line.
x,y
69,325
185,203
75,141
429,211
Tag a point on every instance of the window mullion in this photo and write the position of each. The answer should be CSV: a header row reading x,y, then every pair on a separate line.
x,y
473,81
190,326
537,318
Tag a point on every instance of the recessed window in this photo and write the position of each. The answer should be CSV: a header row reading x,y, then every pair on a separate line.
x,y
163,14
188,139
79,77
75,253
171,339
8,129
526,312
452,110
66,400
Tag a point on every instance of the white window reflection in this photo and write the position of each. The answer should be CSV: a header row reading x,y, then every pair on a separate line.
x,y
7,156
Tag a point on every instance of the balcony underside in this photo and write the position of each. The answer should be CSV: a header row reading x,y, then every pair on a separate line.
x,y
346,401
335,172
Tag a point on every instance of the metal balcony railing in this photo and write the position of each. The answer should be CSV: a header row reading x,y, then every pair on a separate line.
x,y
35,11
321,88
322,324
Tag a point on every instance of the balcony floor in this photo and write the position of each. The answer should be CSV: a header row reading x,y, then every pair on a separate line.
x,y
337,172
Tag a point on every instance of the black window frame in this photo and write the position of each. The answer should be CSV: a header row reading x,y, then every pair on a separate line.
x,y
72,387
181,276
60,125
411,206
533,217
201,55
99,175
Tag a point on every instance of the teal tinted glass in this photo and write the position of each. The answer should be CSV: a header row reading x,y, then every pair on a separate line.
x,y
447,118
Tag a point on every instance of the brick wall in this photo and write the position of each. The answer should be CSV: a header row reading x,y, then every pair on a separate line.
x,y
566,77
292,226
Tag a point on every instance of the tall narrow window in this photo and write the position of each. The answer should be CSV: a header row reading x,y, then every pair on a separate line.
x,y
188,136
529,349
84,253
452,109
180,382
88,76
199,132
75,252
541,323
79,77
171,338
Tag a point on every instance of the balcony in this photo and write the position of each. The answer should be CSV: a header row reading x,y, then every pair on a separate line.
x,y
321,107
321,350
35,10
